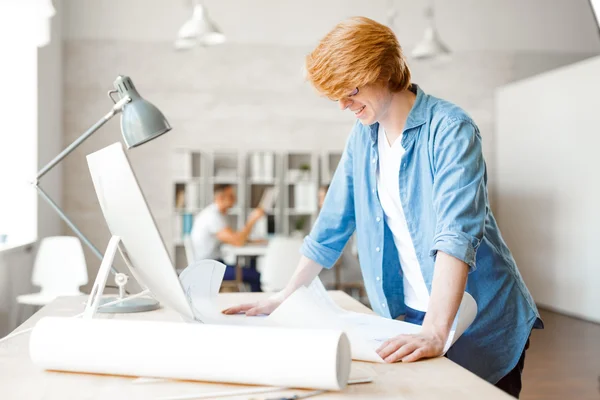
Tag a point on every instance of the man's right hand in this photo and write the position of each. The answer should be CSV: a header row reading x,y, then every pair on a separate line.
x,y
266,306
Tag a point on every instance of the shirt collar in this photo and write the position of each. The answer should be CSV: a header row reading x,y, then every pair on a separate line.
x,y
416,116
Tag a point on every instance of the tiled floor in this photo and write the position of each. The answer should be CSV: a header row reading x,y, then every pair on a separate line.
x,y
563,361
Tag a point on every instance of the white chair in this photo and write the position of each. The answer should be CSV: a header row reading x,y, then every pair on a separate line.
x,y
59,270
190,255
279,263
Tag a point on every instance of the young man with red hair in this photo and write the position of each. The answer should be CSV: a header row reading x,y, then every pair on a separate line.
x,y
412,182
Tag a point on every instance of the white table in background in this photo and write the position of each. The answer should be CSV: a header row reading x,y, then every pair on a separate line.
x,y
237,254
248,250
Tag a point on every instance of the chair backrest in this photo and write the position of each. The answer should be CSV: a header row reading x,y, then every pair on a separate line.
x,y
279,262
60,267
188,245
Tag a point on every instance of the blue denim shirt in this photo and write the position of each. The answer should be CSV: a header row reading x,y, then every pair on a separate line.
x,y
443,191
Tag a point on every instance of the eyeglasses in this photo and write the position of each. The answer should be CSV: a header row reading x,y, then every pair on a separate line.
x,y
353,93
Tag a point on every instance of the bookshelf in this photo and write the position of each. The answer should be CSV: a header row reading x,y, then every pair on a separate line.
x,y
227,168
189,172
330,161
263,172
300,201
295,175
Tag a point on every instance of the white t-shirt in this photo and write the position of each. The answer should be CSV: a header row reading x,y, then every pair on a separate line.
x,y
416,295
206,225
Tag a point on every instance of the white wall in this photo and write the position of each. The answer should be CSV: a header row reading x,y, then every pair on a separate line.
x,y
466,25
249,93
548,187
15,279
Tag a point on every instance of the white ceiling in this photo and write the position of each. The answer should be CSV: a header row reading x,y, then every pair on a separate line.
x,y
465,25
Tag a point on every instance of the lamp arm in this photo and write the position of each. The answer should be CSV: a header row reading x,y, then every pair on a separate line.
x,y
71,225
117,108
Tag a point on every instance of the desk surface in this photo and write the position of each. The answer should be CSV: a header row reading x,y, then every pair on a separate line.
x,y
429,379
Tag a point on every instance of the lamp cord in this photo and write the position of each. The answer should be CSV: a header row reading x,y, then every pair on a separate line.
x,y
112,303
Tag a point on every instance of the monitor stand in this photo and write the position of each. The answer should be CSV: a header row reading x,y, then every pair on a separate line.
x,y
126,305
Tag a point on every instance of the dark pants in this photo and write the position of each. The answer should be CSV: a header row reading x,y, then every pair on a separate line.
x,y
510,383
249,275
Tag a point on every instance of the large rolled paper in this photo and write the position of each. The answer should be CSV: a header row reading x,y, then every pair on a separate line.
x,y
300,358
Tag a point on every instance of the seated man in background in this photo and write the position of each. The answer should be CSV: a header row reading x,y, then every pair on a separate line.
x,y
211,229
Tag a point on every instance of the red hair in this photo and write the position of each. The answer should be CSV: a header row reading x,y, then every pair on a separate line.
x,y
357,52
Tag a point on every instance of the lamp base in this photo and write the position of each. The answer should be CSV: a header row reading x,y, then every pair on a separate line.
x,y
131,304
128,306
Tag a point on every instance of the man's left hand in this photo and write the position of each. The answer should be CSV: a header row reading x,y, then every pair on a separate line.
x,y
408,348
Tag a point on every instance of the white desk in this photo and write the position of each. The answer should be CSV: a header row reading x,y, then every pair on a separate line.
x,y
437,378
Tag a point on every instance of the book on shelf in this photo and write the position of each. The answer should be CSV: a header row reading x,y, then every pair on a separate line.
x,y
267,201
181,164
179,197
188,222
192,196
305,196
262,166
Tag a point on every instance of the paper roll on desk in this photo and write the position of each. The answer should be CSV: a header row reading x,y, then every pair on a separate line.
x,y
300,358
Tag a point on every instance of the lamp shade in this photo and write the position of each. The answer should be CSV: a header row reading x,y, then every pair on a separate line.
x,y
141,121
431,45
200,29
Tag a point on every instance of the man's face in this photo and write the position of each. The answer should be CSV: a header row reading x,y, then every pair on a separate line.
x,y
368,103
227,198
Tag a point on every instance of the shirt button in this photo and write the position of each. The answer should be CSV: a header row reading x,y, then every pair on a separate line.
x,y
377,249
383,305
374,160
378,278
377,219
373,191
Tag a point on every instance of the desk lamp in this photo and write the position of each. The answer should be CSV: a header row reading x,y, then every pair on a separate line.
x,y
140,122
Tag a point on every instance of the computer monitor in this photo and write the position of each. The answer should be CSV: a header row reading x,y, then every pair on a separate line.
x,y
128,216
595,5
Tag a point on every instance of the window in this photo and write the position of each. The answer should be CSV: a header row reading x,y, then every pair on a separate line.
x,y
24,25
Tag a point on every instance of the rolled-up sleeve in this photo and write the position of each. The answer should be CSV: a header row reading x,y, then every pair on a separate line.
x,y
459,191
335,223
